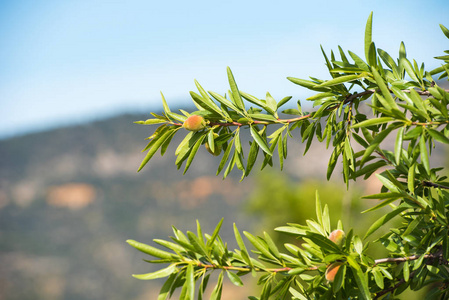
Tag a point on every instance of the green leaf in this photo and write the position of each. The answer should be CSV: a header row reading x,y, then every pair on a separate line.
x,y
216,292
406,270
259,245
225,157
406,64
323,242
411,178
210,140
271,245
164,104
438,136
378,278
234,278
296,294
367,170
235,91
371,122
272,104
384,219
308,84
260,141
390,62
206,104
224,101
388,184
360,278
339,80
385,91
158,274
326,219
445,30
212,239
185,142
398,145
202,287
359,62
150,250
281,152
383,203
165,290
207,100
199,246
156,146
241,245
231,164
291,230
193,152
283,101
190,283
376,142
368,36
150,121
263,117
169,245
339,279
177,117
424,154
252,156
186,147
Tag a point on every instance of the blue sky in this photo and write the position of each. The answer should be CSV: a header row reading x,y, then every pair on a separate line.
x,y
63,62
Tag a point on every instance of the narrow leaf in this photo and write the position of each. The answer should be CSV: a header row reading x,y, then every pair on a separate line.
x,y
235,91
158,274
368,35
260,141
384,219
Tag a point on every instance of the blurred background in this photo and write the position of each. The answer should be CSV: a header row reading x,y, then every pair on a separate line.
x,y
75,75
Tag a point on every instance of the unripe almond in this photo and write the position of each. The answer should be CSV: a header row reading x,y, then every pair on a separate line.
x,y
194,123
217,149
337,236
332,270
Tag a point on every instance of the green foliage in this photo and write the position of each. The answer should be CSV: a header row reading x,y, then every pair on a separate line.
x,y
405,103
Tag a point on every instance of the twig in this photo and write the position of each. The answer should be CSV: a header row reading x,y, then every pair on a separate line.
x,y
433,256
431,184
402,259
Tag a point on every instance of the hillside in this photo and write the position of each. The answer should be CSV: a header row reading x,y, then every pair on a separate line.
x,y
70,197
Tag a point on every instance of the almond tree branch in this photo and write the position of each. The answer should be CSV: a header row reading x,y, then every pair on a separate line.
x,y
431,257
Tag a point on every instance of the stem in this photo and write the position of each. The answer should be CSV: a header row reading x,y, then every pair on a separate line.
x,y
431,184
402,259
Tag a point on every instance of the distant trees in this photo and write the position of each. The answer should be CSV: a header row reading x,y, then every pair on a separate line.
x,y
404,100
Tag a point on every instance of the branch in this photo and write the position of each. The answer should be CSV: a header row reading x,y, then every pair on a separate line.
x,y
431,184
433,256
402,259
